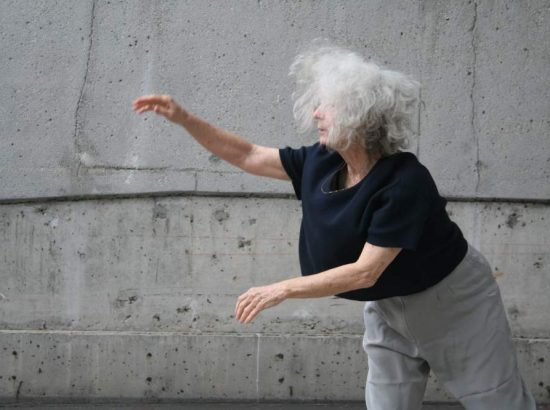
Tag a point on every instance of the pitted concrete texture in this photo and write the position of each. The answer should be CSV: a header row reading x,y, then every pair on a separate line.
x,y
134,298
178,264
71,70
226,406
143,290
212,406
168,365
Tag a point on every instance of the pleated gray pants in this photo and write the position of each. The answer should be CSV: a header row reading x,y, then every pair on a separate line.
x,y
458,329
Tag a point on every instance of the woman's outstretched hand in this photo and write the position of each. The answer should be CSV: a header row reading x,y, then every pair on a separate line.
x,y
255,300
161,104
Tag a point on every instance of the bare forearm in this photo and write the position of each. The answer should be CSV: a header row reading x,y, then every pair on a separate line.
x,y
224,144
330,282
251,158
357,275
361,274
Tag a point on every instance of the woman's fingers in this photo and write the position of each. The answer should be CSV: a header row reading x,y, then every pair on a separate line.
x,y
160,104
251,315
147,108
253,301
245,304
152,99
243,301
245,314
149,103
143,109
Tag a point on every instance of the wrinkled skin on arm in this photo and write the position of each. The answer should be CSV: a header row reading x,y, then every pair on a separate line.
x,y
363,273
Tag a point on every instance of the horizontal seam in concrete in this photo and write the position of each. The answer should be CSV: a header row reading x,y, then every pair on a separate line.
x,y
160,169
259,195
48,401
545,201
168,333
205,334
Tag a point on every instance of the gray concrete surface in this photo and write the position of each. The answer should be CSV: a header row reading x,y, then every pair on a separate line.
x,y
213,405
131,295
227,406
483,123
177,264
135,297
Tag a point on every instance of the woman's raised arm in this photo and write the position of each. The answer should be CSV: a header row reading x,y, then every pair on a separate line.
x,y
251,158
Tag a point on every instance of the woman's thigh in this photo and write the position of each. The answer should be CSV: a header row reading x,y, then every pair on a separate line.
x,y
396,376
461,329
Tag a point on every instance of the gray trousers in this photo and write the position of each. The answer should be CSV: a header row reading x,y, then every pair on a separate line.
x,y
458,329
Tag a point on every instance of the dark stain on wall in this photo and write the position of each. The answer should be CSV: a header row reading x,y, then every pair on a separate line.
x,y
160,211
244,242
221,215
512,220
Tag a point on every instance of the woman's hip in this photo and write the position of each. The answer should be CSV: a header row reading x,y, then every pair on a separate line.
x,y
468,296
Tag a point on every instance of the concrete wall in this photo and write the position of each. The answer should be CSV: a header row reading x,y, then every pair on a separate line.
x,y
123,244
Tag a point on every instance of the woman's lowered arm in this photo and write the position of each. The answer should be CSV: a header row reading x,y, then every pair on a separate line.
x,y
360,274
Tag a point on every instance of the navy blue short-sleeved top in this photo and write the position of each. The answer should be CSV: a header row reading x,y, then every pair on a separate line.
x,y
396,205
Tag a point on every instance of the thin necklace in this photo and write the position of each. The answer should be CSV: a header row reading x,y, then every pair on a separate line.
x,y
345,174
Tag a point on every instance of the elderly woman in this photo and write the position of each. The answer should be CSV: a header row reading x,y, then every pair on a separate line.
x,y
375,229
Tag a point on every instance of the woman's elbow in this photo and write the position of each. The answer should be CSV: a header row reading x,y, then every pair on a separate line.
x,y
366,276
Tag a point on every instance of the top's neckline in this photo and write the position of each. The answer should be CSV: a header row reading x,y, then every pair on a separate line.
x,y
330,178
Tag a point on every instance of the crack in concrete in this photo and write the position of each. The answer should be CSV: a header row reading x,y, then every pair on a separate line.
x,y
419,109
18,390
80,97
421,103
195,171
123,168
473,30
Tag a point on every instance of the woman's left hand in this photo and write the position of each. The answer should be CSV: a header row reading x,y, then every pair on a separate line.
x,y
257,299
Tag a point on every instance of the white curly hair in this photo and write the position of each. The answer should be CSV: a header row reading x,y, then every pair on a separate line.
x,y
370,105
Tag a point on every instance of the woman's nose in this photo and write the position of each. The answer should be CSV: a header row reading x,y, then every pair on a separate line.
x,y
317,114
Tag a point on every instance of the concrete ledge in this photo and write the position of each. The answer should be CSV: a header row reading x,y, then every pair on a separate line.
x,y
170,365
178,264
67,404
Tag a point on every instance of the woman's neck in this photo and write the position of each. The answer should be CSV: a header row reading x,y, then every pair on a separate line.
x,y
358,164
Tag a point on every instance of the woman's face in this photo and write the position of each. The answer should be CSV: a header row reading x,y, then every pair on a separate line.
x,y
324,119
